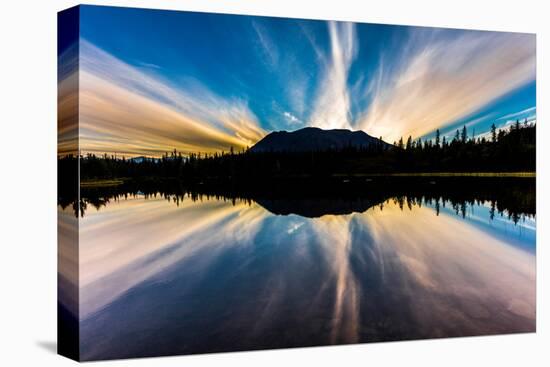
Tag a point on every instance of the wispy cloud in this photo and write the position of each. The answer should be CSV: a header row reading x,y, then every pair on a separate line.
x,y
332,105
267,45
441,78
148,65
293,120
296,91
424,80
127,111
522,113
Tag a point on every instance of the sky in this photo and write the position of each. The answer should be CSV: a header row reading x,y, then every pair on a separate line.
x,y
152,81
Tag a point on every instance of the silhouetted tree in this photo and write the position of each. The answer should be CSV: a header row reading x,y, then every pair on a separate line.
x,y
409,142
507,150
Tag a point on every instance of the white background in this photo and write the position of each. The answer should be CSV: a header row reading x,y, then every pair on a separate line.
x,y
28,183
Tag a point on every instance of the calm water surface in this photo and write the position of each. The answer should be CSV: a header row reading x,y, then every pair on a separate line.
x,y
164,277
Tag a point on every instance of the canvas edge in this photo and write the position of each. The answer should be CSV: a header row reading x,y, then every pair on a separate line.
x,y
68,34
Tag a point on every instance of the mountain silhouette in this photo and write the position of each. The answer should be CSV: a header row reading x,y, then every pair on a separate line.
x,y
315,139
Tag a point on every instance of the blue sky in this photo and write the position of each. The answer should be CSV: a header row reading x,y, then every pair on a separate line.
x,y
156,80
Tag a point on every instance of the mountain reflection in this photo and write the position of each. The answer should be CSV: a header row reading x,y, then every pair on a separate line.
x,y
511,197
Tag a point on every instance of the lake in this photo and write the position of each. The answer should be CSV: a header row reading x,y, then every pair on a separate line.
x,y
164,273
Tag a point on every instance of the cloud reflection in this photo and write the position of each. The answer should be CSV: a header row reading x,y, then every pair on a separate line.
x,y
284,280
333,233
128,242
452,263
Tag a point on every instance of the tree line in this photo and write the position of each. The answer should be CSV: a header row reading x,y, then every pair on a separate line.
x,y
504,150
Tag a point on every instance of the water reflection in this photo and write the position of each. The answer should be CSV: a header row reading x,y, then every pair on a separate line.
x,y
170,274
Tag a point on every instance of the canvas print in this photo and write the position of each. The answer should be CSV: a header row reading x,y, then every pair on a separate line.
x,y
234,183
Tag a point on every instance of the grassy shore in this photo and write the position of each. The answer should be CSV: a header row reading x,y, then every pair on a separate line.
x,y
93,183
101,182
457,174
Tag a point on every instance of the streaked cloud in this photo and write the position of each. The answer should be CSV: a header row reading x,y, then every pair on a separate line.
x,y
443,77
531,111
268,47
67,102
127,111
387,81
332,105
291,118
148,65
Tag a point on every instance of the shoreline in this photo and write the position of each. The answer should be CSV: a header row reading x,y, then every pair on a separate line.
x,y
90,183
446,174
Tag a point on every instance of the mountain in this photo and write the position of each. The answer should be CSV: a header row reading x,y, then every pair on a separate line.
x,y
315,139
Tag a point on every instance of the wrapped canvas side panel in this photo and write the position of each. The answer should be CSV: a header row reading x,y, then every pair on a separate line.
x,y
68,184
